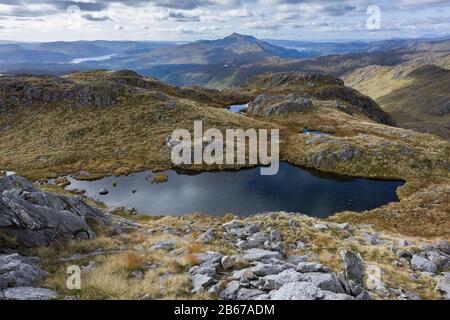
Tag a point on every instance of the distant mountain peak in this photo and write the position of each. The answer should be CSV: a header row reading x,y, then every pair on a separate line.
x,y
237,36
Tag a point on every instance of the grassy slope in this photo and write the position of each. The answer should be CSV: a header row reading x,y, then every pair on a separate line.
x,y
46,140
409,93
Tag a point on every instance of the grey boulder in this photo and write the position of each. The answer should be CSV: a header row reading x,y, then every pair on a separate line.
x,y
256,240
443,285
208,268
327,295
230,291
325,281
261,255
166,245
276,281
17,271
443,246
234,224
423,264
200,282
297,291
208,236
209,256
27,293
353,266
249,294
311,267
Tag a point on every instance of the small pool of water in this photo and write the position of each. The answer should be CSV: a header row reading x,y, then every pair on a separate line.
x,y
238,108
317,132
243,192
98,59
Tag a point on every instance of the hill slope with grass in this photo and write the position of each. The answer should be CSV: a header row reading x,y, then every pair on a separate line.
x,y
235,49
416,97
119,123
97,123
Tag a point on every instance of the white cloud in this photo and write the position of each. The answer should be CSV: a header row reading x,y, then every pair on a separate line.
x,y
193,19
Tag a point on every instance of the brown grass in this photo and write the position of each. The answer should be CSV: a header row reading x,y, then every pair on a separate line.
x,y
161,178
134,261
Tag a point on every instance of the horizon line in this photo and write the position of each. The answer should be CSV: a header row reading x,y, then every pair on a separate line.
x,y
368,40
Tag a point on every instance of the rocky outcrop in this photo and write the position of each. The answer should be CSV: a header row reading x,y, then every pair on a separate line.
x,y
440,110
18,274
28,293
18,271
319,86
356,99
335,152
422,264
166,245
262,271
289,79
32,217
30,90
443,285
27,92
353,266
278,105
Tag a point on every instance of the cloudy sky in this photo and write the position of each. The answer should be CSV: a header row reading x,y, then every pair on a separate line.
x,y
49,20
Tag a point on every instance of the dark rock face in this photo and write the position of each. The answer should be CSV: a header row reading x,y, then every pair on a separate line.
x,y
28,90
16,91
353,266
341,152
440,110
283,79
275,105
366,104
36,218
320,86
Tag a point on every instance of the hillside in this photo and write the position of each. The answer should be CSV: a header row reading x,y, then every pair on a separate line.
x,y
221,76
207,62
235,49
321,87
219,63
416,97
321,48
84,107
119,122
99,123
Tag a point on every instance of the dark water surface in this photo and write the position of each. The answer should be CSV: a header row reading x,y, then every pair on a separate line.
x,y
317,132
243,192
